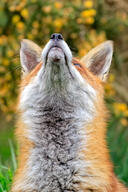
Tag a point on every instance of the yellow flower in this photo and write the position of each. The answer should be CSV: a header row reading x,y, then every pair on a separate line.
x,y
73,35
20,26
82,52
4,108
12,8
79,20
15,19
126,113
8,76
58,23
20,37
35,24
1,41
124,122
67,11
5,61
109,89
88,4
77,2
89,20
124,16
10,53
34,31
100,38
92,12
47,20
88,13
46,9
25,13
120,107
2,69
58,5
20,5
111,78
30,36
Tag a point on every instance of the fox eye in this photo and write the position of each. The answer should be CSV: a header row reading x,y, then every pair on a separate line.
x,y
77,64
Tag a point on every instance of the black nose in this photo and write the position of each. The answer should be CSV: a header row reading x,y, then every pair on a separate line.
x,y
56,36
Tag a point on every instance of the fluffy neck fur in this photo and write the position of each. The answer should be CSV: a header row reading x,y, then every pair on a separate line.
x,y
54,118
63,144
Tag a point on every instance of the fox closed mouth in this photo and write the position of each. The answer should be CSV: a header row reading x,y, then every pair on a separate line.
x,y
56,51
56,55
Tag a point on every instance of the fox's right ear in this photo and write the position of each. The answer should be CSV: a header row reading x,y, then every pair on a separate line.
x,y
98,60
30,55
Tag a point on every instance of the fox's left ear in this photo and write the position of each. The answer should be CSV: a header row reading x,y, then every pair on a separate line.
x,y
98,60
30,55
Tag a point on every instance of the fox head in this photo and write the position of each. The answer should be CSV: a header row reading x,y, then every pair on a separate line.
x,y
52,75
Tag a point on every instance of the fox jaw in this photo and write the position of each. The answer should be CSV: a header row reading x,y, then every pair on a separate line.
x,y
60,98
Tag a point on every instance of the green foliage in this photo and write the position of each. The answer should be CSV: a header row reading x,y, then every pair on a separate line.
x,y
6,176
7,171
118,145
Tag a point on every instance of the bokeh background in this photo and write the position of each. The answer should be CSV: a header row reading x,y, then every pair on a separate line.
x,y
84,24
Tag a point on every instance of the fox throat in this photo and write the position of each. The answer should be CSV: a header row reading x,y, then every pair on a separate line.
x,y
54,128
54,117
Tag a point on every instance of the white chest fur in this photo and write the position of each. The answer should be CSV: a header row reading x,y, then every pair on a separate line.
x,y
55,120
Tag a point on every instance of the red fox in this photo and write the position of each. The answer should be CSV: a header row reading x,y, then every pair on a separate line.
x,y
61,127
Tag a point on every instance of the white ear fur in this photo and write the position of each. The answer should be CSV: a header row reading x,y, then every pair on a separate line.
x,y
98,60
30,55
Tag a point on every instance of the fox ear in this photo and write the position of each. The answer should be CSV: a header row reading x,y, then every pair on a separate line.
x,y
98,60
30,55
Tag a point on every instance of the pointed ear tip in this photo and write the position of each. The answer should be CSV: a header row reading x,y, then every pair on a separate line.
x,y
29,44
110,44
26,43
23,42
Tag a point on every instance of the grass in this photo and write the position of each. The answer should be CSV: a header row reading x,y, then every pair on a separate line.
x,y
118,147
7,171
6,175
117,141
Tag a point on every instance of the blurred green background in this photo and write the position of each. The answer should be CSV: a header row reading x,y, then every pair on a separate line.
x,y
84,24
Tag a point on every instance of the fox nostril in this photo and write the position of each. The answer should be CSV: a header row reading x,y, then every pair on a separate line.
x,y
52,36
56,36
60,36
